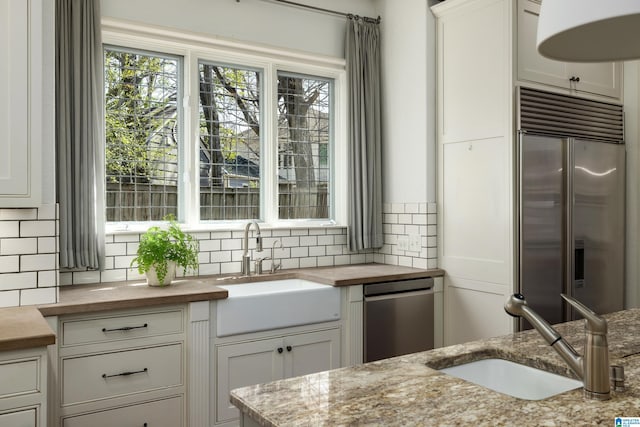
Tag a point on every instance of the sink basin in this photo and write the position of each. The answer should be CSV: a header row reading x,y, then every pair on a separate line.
x,y
260,306
513,379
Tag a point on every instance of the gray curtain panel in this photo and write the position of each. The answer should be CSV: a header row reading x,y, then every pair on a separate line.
x,y
79,133
365,171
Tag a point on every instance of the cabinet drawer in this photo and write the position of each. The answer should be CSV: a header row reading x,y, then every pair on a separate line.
x,y
161,413
19,377
116,328
19,419
115,374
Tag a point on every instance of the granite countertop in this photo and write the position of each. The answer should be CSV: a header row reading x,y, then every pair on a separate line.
x,y
24,327
405,391
132,294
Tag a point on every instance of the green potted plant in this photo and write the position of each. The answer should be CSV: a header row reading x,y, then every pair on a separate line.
x,y
161,250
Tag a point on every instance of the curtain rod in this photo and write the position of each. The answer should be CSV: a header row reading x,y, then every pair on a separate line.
x,y
321,9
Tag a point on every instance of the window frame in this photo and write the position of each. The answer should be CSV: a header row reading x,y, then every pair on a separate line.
x,y
194,48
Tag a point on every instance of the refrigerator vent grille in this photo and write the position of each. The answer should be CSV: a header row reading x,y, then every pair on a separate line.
x,y
554,114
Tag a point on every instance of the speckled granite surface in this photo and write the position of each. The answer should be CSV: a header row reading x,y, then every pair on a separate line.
x,y
404,391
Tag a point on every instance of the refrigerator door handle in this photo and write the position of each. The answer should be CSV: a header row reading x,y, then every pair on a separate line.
x,y
578,269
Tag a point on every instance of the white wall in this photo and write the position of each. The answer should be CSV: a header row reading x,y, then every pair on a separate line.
x,y
408,143
256,21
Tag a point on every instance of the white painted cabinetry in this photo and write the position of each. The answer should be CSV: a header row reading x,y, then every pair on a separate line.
x,y
579,78
23,386
128,366
23,104
485,50
244,360
476,169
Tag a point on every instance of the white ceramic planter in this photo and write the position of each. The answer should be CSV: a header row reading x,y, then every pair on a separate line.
x,y
152,277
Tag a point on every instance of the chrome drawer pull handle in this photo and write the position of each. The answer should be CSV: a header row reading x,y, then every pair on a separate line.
x,y
125,374
124,328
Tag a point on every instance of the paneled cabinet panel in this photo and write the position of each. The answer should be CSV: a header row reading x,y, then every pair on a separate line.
x,y
19,419
22,101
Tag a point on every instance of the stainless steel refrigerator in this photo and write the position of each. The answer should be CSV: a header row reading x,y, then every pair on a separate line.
x,y
571,204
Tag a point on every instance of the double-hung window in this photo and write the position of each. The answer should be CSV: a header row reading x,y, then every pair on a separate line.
x,y
215,141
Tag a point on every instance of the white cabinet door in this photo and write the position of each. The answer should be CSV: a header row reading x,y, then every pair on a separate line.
x,y
20,102
243,364
19,419
312,352
269,359
531,65
597,78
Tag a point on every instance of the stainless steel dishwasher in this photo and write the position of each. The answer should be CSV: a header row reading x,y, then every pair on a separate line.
x,y
398,318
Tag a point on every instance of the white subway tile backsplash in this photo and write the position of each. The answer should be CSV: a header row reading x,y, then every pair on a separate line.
x,y
419,219
132,248
308,262
317,231
47,212
221,256
232,244
18,214
397,208
404,218
342,260
81,277
325,240
124,238
289,263
230,267
38,262
47,278
300,252
220,234
290,241
334,250
204,258
113,275
390,218
9,264
410,219
13,281
66,279
432,208
37,228
315,251
9,229
300,232
309,241
123,261
325,261
19,246
205,269
38,296
47,245
115,249
210,245
9,298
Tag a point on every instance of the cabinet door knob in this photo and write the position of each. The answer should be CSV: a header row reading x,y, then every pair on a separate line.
x,y
289,348
280,350
574,79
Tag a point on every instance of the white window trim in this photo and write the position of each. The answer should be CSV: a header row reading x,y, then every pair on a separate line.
x,y
195,46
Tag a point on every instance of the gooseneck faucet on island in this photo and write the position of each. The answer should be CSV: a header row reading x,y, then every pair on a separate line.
x,y
593,367
246,258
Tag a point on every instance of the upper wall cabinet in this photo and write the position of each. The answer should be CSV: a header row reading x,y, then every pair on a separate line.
x,y
21,101
579,78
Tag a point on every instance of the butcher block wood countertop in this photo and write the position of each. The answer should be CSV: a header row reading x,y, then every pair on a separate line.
x,y
122,295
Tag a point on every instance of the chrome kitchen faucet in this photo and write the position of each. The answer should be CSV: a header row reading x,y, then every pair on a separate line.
x,y
593,367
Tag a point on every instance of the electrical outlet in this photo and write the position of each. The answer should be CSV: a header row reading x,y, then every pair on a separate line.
x,y
403,243
415,243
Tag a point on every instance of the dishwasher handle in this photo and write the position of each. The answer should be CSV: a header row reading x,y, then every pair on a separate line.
x,y
398,295
398,286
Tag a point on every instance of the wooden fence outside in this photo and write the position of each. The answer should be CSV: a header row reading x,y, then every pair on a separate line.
x,y
145,202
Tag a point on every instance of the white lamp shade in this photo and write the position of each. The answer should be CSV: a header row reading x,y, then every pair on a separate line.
x,y
589,30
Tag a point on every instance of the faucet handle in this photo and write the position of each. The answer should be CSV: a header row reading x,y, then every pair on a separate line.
x,y
595,323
